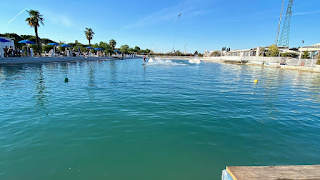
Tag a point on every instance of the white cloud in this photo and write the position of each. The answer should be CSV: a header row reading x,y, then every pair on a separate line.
x,y
63,20
303,13
163,15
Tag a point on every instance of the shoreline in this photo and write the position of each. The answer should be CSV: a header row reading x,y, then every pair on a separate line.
x,y
271,65
27,60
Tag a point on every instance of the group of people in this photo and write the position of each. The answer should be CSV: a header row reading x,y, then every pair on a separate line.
x,y
10,52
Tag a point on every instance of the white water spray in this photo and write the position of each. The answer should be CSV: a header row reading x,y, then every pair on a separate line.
x,y
163,62
196,60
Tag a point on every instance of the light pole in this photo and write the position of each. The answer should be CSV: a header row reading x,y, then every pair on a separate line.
x,y
151,46
301,50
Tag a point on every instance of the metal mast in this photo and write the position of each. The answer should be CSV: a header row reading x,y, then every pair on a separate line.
x,y
285,34
279,27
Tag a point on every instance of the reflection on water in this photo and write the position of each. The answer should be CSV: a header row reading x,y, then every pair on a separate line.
x,y
113,72
91,82
41,89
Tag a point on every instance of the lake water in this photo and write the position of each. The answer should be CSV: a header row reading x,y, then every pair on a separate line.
x,y
167,120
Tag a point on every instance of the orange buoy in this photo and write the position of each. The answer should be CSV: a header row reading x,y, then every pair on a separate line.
x,y
302,64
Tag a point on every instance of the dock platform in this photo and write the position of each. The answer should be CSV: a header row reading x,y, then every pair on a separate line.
x,y
309,172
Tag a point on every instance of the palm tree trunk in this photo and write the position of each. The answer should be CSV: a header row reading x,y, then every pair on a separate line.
x,y
89,43
37,39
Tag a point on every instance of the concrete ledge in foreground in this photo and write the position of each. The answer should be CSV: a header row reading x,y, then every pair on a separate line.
x,y
308,172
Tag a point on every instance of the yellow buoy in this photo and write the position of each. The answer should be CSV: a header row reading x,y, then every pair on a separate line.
x,y
256,81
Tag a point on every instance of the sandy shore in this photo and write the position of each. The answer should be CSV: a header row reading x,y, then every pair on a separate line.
x,y
22,60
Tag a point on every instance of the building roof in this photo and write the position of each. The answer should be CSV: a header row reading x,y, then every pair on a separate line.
x,y
311,48
314,45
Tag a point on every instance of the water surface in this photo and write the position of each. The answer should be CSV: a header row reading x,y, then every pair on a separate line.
x,y
170,120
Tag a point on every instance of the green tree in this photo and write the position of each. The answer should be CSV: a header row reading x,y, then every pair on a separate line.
x,y
305,55
61,48
289,55
178,53
261,52
273,51
107,48
47,48
196,53
25,36
131,50
35,48
16,38
216,54
113,43
46,41
34,39
137,49
89,34
124,49
34,21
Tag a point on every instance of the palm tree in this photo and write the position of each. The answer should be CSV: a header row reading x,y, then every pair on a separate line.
x,y
112,43
34,21
89,34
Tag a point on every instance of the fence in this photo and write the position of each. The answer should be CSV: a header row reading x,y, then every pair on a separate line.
x,y
268,60
254,60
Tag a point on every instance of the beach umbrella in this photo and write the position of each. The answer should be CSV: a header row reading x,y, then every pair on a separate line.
x,y
2,40
27,42
89,48
98,49
65,45
53,44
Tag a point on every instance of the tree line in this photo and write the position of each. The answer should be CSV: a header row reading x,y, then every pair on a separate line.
x,y
35,19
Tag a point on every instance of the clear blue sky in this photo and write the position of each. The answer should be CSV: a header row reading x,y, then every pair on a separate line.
x,y
204,24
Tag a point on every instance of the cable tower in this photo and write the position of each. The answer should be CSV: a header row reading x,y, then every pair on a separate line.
x,y
179,16
279,27
285,34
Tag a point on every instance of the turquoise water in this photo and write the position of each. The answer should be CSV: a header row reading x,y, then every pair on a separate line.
x,y
171,120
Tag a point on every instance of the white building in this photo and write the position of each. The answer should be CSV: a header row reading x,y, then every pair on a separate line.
x,y
312,49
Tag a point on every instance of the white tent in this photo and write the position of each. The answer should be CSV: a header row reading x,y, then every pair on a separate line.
x,y
8,44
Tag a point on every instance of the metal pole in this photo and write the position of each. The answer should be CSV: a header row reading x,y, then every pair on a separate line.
x,y
151,46
279,23
301,50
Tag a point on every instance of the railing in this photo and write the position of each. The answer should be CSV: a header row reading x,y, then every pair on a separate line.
x,y
253,59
